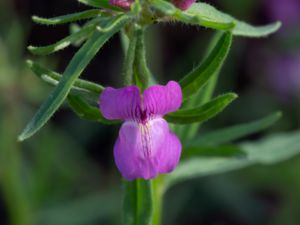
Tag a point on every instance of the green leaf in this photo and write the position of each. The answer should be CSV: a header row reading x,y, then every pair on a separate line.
x,y
80,87
198,77
188,131
83,33
129,59
190,18
74,28
72,72
124,41
99,4
201,113
272,149
229,134
211,151
203,166
208,12
86,111
206,15
67,18
138,202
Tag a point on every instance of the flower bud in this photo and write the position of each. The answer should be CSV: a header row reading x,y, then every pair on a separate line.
x,y
183,4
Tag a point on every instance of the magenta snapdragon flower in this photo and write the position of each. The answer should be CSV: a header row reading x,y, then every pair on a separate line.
x,y
145,147
125,4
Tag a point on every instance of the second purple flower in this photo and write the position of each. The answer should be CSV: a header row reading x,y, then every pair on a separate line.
x,y
145,147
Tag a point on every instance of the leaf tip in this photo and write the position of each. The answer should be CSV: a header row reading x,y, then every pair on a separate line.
x,y
274,27
30,48
29,63
278,24
229,97
232,96
278,115
21,137
35,18
26,133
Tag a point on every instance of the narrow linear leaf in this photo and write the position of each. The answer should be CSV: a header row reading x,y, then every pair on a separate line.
x,y
188,131
198,77
99,4
190,18
80,87
211,151
272,149
74,28
83,33
229,134
241,28
138,202
86,111
197,167
248,30
67,18
201,113
72,72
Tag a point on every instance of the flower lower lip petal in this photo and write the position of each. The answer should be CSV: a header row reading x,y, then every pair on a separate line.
x,y
146,150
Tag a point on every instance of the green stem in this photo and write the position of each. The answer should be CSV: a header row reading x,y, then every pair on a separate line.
x,y
124,41
12,183
157,200
138,202
142,200
129,60
142,71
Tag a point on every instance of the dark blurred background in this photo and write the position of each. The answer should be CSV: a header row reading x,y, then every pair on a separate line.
x,y
65,174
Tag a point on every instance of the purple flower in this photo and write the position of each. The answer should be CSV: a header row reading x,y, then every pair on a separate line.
x,y
145,147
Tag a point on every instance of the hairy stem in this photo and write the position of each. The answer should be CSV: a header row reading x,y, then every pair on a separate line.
x,y
142,71
142,199
129,60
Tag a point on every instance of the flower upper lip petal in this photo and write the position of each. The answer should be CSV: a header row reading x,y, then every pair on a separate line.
x,y
128,104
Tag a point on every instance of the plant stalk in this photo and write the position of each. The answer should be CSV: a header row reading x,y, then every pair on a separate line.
x,y
12,182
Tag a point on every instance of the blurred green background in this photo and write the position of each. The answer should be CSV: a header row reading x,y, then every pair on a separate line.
x,y
65,175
